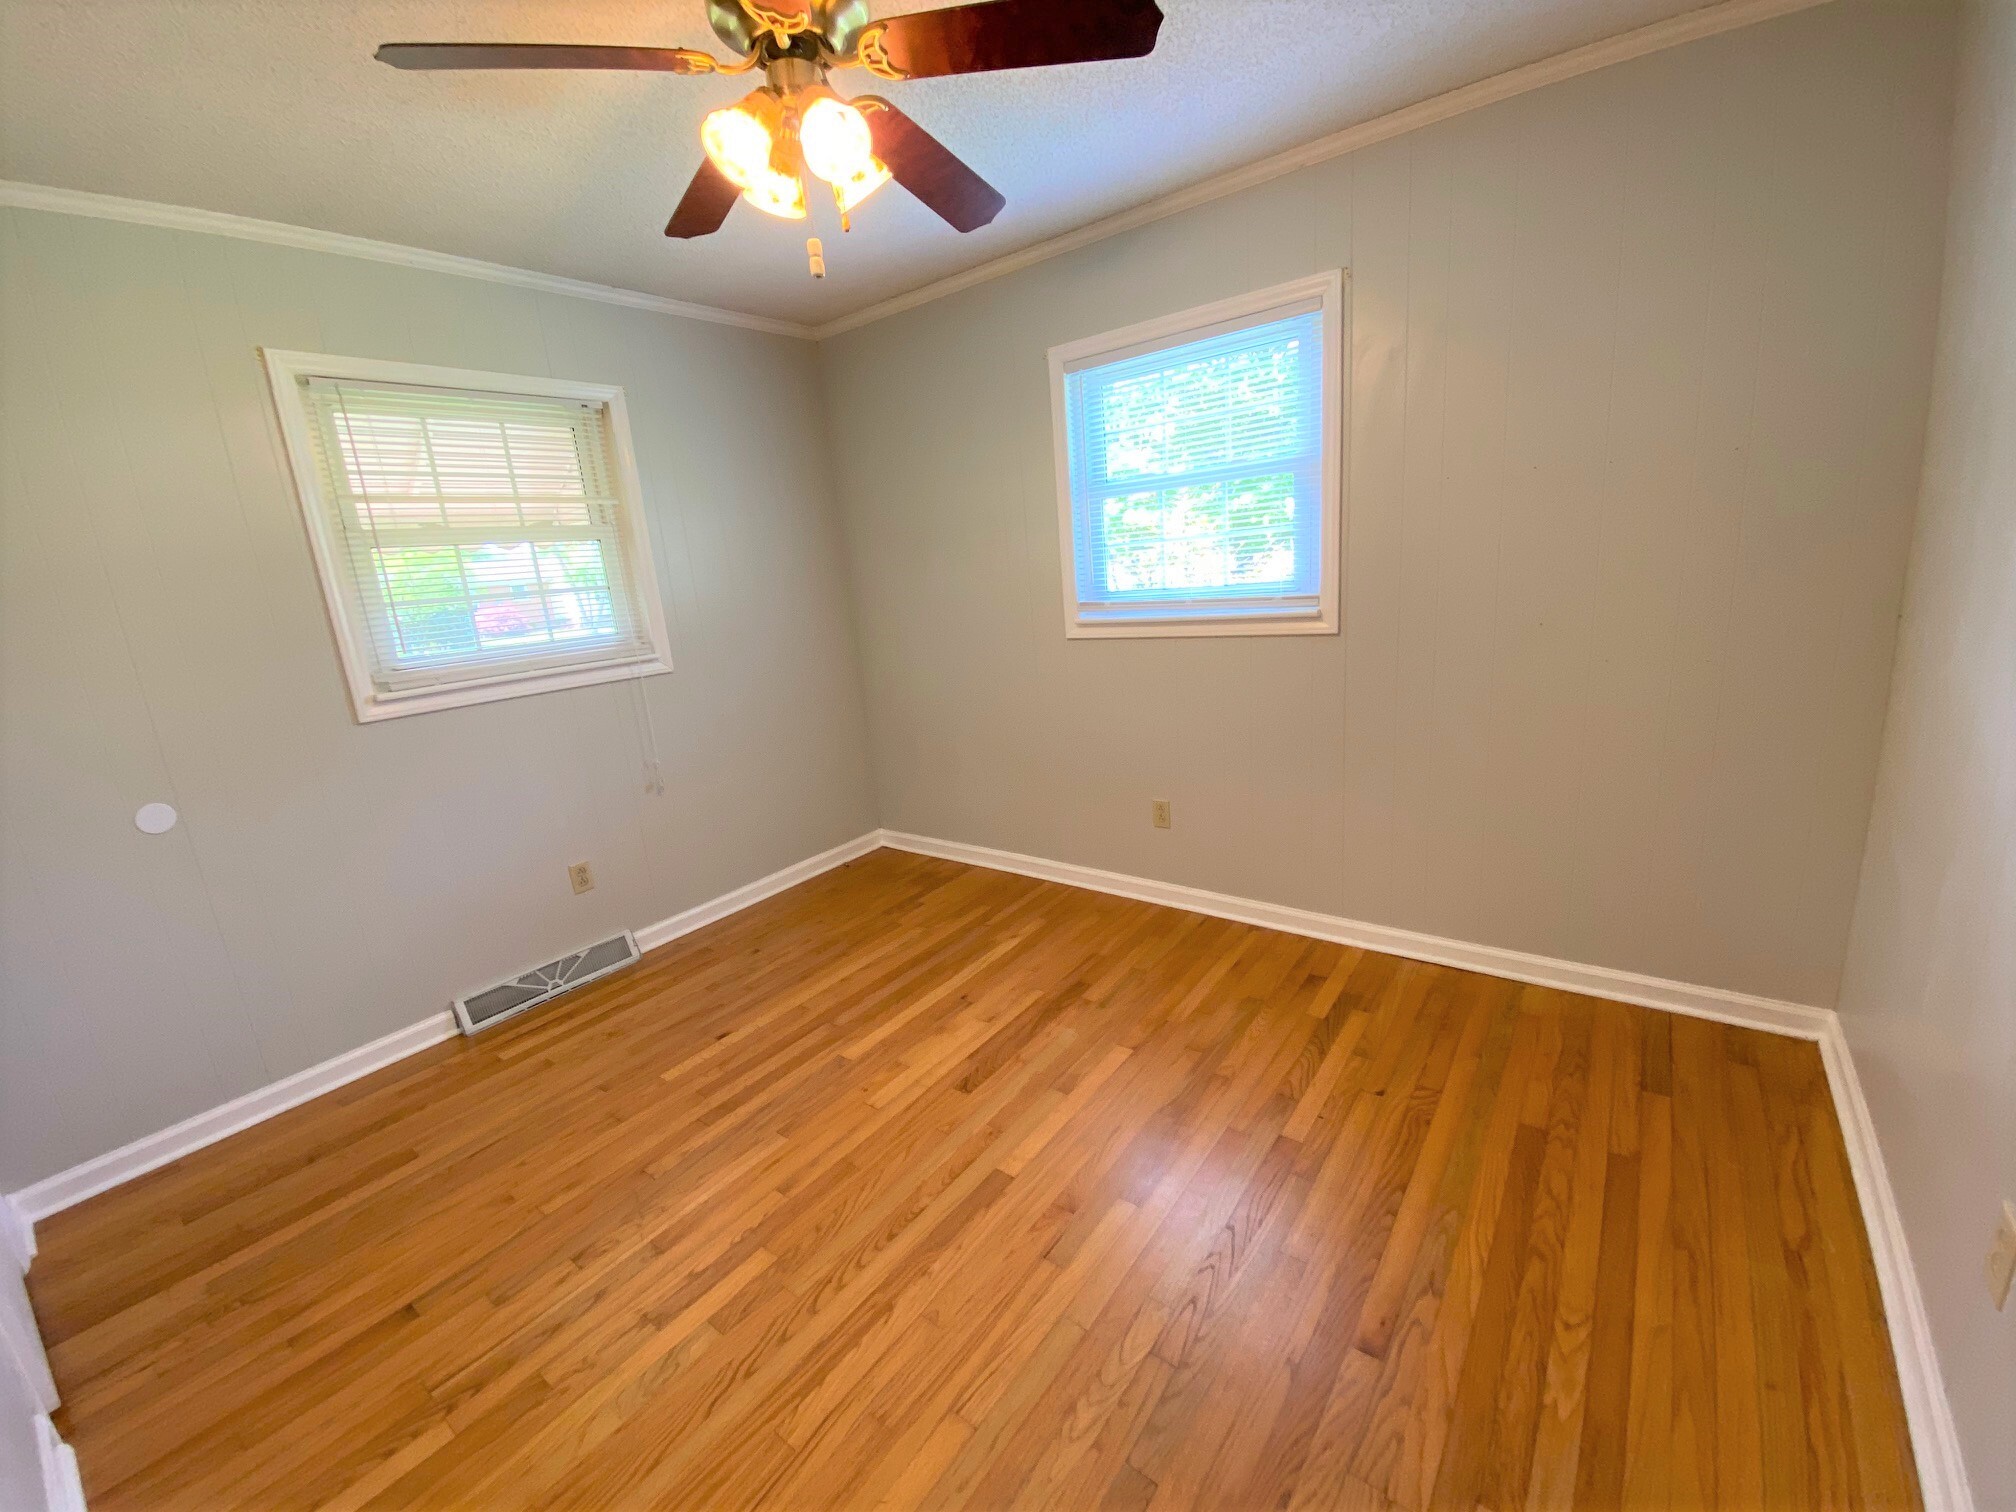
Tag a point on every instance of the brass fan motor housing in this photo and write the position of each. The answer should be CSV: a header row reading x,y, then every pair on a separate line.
x,y
813,29
790,73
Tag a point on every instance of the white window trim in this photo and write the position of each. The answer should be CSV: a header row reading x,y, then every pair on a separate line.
x,y
284,372
1329,288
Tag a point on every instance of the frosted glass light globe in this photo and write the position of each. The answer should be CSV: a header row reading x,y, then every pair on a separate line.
x,y
838,145
739,144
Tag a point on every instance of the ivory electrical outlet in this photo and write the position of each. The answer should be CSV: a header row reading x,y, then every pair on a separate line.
x,y
1160,811
582,878
2002,1258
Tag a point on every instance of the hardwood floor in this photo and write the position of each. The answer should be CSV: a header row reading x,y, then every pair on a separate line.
x,y
921,1185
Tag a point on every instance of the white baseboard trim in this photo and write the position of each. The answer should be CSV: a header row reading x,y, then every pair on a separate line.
x,y
67,1188
1934,1442
651,936
62,1486
1545,971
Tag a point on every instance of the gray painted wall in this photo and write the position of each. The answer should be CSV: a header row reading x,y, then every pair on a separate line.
x,y
162,636
1638,379
1929,999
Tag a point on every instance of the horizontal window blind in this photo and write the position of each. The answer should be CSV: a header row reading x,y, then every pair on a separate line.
x,y
1196,472
480,533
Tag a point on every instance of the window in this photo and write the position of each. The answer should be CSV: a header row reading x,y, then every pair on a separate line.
x,y
1199,480
478,536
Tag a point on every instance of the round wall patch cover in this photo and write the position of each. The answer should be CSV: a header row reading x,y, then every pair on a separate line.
x,y
155,818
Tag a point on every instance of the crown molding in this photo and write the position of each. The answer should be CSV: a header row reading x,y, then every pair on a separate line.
x,y
1691,26
305,238
1676,31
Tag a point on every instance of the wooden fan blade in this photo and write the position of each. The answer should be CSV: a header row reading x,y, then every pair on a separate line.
x,y
705,205
1009,34
928,168
679,60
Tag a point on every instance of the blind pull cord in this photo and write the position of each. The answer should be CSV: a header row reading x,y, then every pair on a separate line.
x,y
640,704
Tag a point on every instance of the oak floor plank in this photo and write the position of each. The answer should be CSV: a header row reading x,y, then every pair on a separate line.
x,y
1565,1394
1475,1211
1830,1457
1648,1426
926,1186
1739,1432
1695,1112
1522,1385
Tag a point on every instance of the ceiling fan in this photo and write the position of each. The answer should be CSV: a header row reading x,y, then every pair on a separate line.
x,y
763,147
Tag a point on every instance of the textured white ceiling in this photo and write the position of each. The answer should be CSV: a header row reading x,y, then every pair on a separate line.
x,y
275,109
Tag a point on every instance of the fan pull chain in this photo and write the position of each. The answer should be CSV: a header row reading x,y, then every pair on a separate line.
x,y
817,254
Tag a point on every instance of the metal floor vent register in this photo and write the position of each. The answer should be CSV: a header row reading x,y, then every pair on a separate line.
x,y
479,1010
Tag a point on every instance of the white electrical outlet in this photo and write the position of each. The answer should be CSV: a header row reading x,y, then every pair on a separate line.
x,y
1159,812
2002,1258
580,875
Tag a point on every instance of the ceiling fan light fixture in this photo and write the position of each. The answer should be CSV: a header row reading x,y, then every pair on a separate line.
x,y
762,147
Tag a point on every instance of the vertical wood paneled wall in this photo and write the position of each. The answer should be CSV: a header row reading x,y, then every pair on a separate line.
x,y
1638,387
162,637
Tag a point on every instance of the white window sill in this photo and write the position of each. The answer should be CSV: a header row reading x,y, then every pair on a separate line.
x,y
1142,628
379,706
